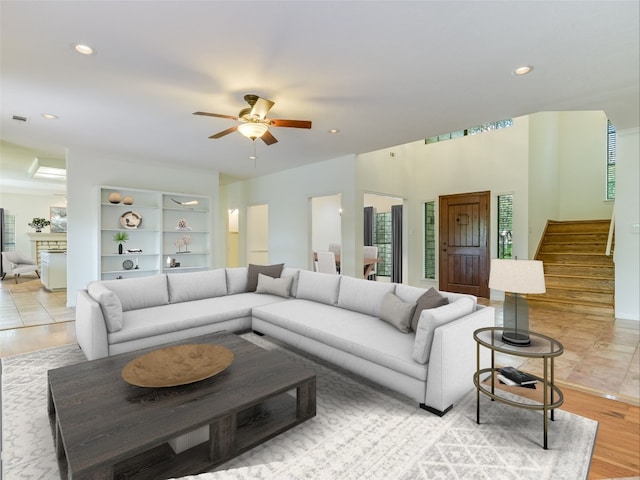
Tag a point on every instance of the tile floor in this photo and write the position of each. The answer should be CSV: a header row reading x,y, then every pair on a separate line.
x,y
27,304
601,354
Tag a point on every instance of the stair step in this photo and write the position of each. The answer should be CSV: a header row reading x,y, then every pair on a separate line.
x,y
583,247
577,237
564,306
591,226
599,284
576,258
570,269
576,295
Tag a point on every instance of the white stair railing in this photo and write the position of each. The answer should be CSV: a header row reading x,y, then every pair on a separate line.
x,y
611,230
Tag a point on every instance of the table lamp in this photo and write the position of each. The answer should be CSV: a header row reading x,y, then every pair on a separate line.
x,y
517,277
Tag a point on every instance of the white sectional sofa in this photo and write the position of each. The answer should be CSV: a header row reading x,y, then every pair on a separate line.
x,y
359,325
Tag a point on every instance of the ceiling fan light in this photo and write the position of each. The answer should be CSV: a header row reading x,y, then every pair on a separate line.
x,y
252,130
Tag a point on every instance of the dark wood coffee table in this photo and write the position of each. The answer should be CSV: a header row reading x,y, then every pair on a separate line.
x,y
106,428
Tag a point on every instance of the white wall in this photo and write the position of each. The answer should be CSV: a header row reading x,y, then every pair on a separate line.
x,y
25,208
288,194
86,171
582,166
325,221
627,207
419,173
544,178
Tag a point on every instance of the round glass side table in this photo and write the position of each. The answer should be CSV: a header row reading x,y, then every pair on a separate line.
x,y
543,347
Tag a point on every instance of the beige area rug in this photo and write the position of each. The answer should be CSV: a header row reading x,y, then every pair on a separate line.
x,y
361,431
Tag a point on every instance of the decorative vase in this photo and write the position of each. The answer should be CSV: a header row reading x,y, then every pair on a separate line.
x,y
38,230
120,248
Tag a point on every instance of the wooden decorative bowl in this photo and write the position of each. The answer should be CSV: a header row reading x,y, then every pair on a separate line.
x,y
179,365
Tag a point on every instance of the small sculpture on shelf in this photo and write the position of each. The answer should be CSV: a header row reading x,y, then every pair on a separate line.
x,y
179,243
182,226
186,241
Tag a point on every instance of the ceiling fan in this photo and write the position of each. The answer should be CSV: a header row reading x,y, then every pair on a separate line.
x,y
254,122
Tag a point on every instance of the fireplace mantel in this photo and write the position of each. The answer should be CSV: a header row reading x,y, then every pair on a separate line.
x,y
43,236
56,242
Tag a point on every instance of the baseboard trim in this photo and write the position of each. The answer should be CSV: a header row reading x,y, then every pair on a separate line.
x,y
435,411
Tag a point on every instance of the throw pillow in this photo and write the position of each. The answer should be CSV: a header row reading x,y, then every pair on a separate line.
x,y
109,304
274,286
396,312
273,271
429,299
432,318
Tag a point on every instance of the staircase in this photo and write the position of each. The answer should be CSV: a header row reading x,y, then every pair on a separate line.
x,y
579,276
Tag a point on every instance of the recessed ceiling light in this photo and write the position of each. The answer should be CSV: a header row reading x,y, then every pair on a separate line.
x,y
50,116
83,49
252,157
523,70
334,130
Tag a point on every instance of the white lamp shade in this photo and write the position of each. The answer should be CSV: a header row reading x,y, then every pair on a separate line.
x,y
252,130
517,276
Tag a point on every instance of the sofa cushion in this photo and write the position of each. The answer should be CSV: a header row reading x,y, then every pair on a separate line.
x,y
429,299
109,304
236,280
184,287
274,286
294,273
140,292
176,317
432,318
356,333
273,271
363,296
319,287
396,312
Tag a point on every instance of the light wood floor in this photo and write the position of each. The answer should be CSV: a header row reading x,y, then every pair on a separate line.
x,y
599,371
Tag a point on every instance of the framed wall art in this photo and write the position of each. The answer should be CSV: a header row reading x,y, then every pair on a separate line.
x,y
58,219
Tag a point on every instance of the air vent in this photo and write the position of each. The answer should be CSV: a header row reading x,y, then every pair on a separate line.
x,y
20,118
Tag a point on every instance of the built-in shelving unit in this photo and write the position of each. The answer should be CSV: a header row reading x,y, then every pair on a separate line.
x,y
173,229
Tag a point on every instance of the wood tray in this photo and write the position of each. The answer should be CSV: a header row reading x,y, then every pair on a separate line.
x,y
179,365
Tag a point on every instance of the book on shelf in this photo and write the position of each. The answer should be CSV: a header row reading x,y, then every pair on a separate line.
x,y
518,377
510,383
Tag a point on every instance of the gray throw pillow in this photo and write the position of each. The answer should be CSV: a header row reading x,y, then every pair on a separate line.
x,y
429,299
273,271
109,303
396,312
274,286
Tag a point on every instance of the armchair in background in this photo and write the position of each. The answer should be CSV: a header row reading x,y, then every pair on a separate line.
x,y
16,264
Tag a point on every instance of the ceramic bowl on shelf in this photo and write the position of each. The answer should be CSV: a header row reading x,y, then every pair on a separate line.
x,y
131,219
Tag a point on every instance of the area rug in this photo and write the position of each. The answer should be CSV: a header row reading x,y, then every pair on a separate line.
x,y
361,431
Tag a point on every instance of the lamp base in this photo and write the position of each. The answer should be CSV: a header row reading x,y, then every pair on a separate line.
x,y
517,339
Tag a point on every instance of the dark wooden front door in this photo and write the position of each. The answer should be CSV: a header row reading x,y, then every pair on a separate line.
x,y
464,243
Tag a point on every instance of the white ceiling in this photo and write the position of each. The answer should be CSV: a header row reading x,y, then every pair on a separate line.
x,y
384,73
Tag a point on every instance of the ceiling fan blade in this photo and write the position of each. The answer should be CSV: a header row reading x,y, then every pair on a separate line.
x,y
268,138
225,132
262,107
279,122
216,115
